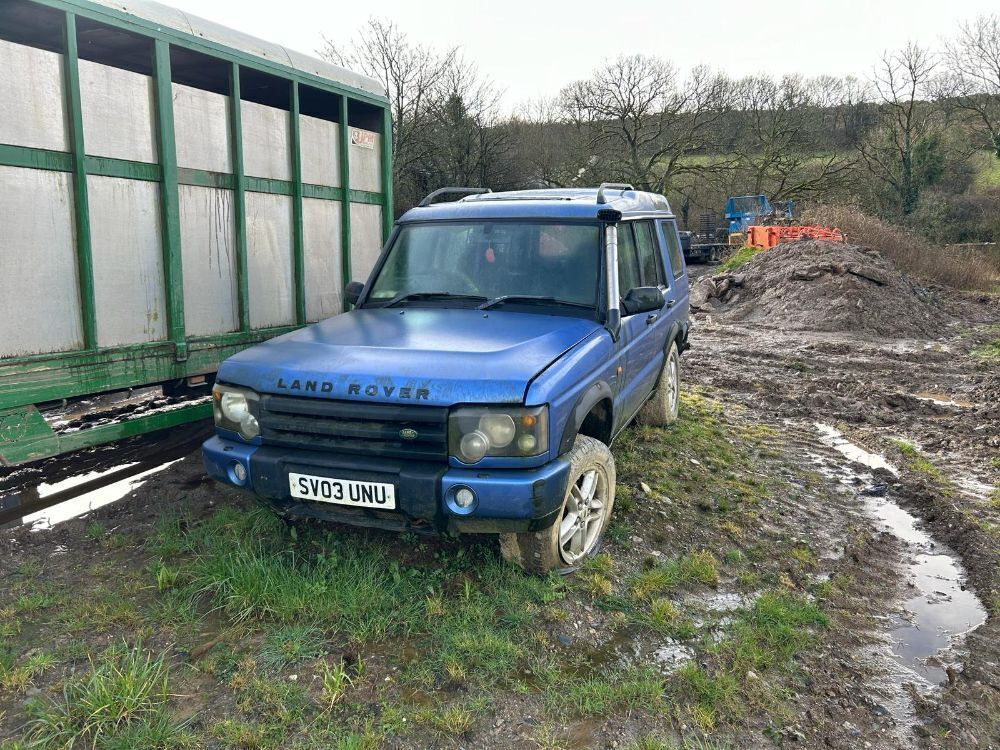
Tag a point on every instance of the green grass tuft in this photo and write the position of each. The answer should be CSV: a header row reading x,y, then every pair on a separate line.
x,y
700,567
738,258
291,644
118,703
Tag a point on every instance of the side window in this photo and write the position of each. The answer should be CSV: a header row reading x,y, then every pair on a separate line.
x,y
673,248
628,261
650,260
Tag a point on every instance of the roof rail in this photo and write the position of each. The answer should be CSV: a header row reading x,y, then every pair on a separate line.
x,y
428,199
622,186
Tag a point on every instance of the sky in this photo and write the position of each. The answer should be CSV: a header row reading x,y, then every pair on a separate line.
x,y
532,49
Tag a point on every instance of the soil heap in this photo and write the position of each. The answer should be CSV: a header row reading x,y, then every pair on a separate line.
x,y
821,286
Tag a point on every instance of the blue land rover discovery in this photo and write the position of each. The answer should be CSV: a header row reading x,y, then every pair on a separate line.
x,y
500,344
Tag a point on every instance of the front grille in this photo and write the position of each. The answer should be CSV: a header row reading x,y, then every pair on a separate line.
x,y
354,427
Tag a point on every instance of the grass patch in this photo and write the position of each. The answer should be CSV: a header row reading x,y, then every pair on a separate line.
x,y
738,258
603,694
762,638
291,644
916,461
19,676
700,567
988,352
120,703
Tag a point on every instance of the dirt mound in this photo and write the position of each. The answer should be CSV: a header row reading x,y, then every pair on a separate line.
x,y
821,286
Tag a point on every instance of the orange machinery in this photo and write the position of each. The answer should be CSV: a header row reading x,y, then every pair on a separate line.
x,y
767,237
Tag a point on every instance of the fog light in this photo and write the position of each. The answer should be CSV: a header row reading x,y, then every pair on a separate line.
x,y
464,497
239,472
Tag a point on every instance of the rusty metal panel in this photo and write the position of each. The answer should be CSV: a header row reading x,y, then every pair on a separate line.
x,y
118,112
320,155
323,269
208,257
269,259
127,251
31,89
201,129
39,293
366,238
266,141
365,147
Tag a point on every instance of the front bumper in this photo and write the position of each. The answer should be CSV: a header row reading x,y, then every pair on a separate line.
x,y
507,500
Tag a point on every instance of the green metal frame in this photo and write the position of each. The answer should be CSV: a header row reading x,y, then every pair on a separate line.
x,y
29,380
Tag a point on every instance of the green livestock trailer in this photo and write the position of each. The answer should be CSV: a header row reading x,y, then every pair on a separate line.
x,y
171,191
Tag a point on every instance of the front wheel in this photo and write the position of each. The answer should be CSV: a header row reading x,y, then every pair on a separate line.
x,y
661,409
586,510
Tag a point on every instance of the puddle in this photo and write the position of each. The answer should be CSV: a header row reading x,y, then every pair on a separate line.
x,y
940,400
89,501
630,645
939,609
836,440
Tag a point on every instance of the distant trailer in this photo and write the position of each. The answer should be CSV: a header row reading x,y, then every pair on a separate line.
x,y
171,191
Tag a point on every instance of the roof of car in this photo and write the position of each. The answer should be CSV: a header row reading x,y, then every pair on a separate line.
x,y
561,203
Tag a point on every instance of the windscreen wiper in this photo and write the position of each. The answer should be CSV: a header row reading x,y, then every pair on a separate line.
x,y
407,296
531,298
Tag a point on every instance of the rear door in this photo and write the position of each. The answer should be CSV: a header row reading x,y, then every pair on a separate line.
x,y
677,279
643,335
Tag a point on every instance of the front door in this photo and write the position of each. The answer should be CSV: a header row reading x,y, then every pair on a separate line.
x,y
643,335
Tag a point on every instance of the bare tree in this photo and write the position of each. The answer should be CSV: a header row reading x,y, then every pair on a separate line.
x,y
779,148
642,120
907,126
552,150
412,75
974,61
470,144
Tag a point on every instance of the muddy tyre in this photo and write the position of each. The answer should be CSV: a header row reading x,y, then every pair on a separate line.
x,y
661,409
583,518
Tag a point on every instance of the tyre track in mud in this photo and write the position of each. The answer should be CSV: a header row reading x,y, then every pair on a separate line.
x,y
877,391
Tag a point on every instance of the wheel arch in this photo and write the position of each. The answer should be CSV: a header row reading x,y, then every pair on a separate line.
x,y
593,416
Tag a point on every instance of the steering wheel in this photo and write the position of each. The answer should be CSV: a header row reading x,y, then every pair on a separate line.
x,y
438,281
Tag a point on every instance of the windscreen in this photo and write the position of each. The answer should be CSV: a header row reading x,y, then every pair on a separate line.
x,y
491,260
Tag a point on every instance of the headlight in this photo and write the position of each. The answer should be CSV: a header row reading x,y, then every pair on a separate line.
x,y
235,410
478,431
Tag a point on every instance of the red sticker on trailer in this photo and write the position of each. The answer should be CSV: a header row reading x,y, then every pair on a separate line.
x,y
362,138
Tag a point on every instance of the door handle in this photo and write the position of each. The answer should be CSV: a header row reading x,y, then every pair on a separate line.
x,y
651,318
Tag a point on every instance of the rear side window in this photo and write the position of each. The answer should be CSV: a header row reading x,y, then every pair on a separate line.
x,y
650,260
673,248
628,260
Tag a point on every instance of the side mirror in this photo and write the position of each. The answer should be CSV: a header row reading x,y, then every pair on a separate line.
x,y
353,292
642,299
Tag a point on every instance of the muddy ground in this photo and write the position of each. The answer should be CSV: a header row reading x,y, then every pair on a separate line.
x,y
761,585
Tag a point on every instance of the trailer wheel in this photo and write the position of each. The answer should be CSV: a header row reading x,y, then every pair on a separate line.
x,y
586,510
661,408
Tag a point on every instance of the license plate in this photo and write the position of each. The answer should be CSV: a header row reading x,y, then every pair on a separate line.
x,y
377,495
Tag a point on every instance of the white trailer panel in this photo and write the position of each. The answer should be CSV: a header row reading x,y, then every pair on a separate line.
x,y
320,151
266,151
208,257
323,269
365,147
269,260
201,129
127,250
366,238
118,112
31,89
39,285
